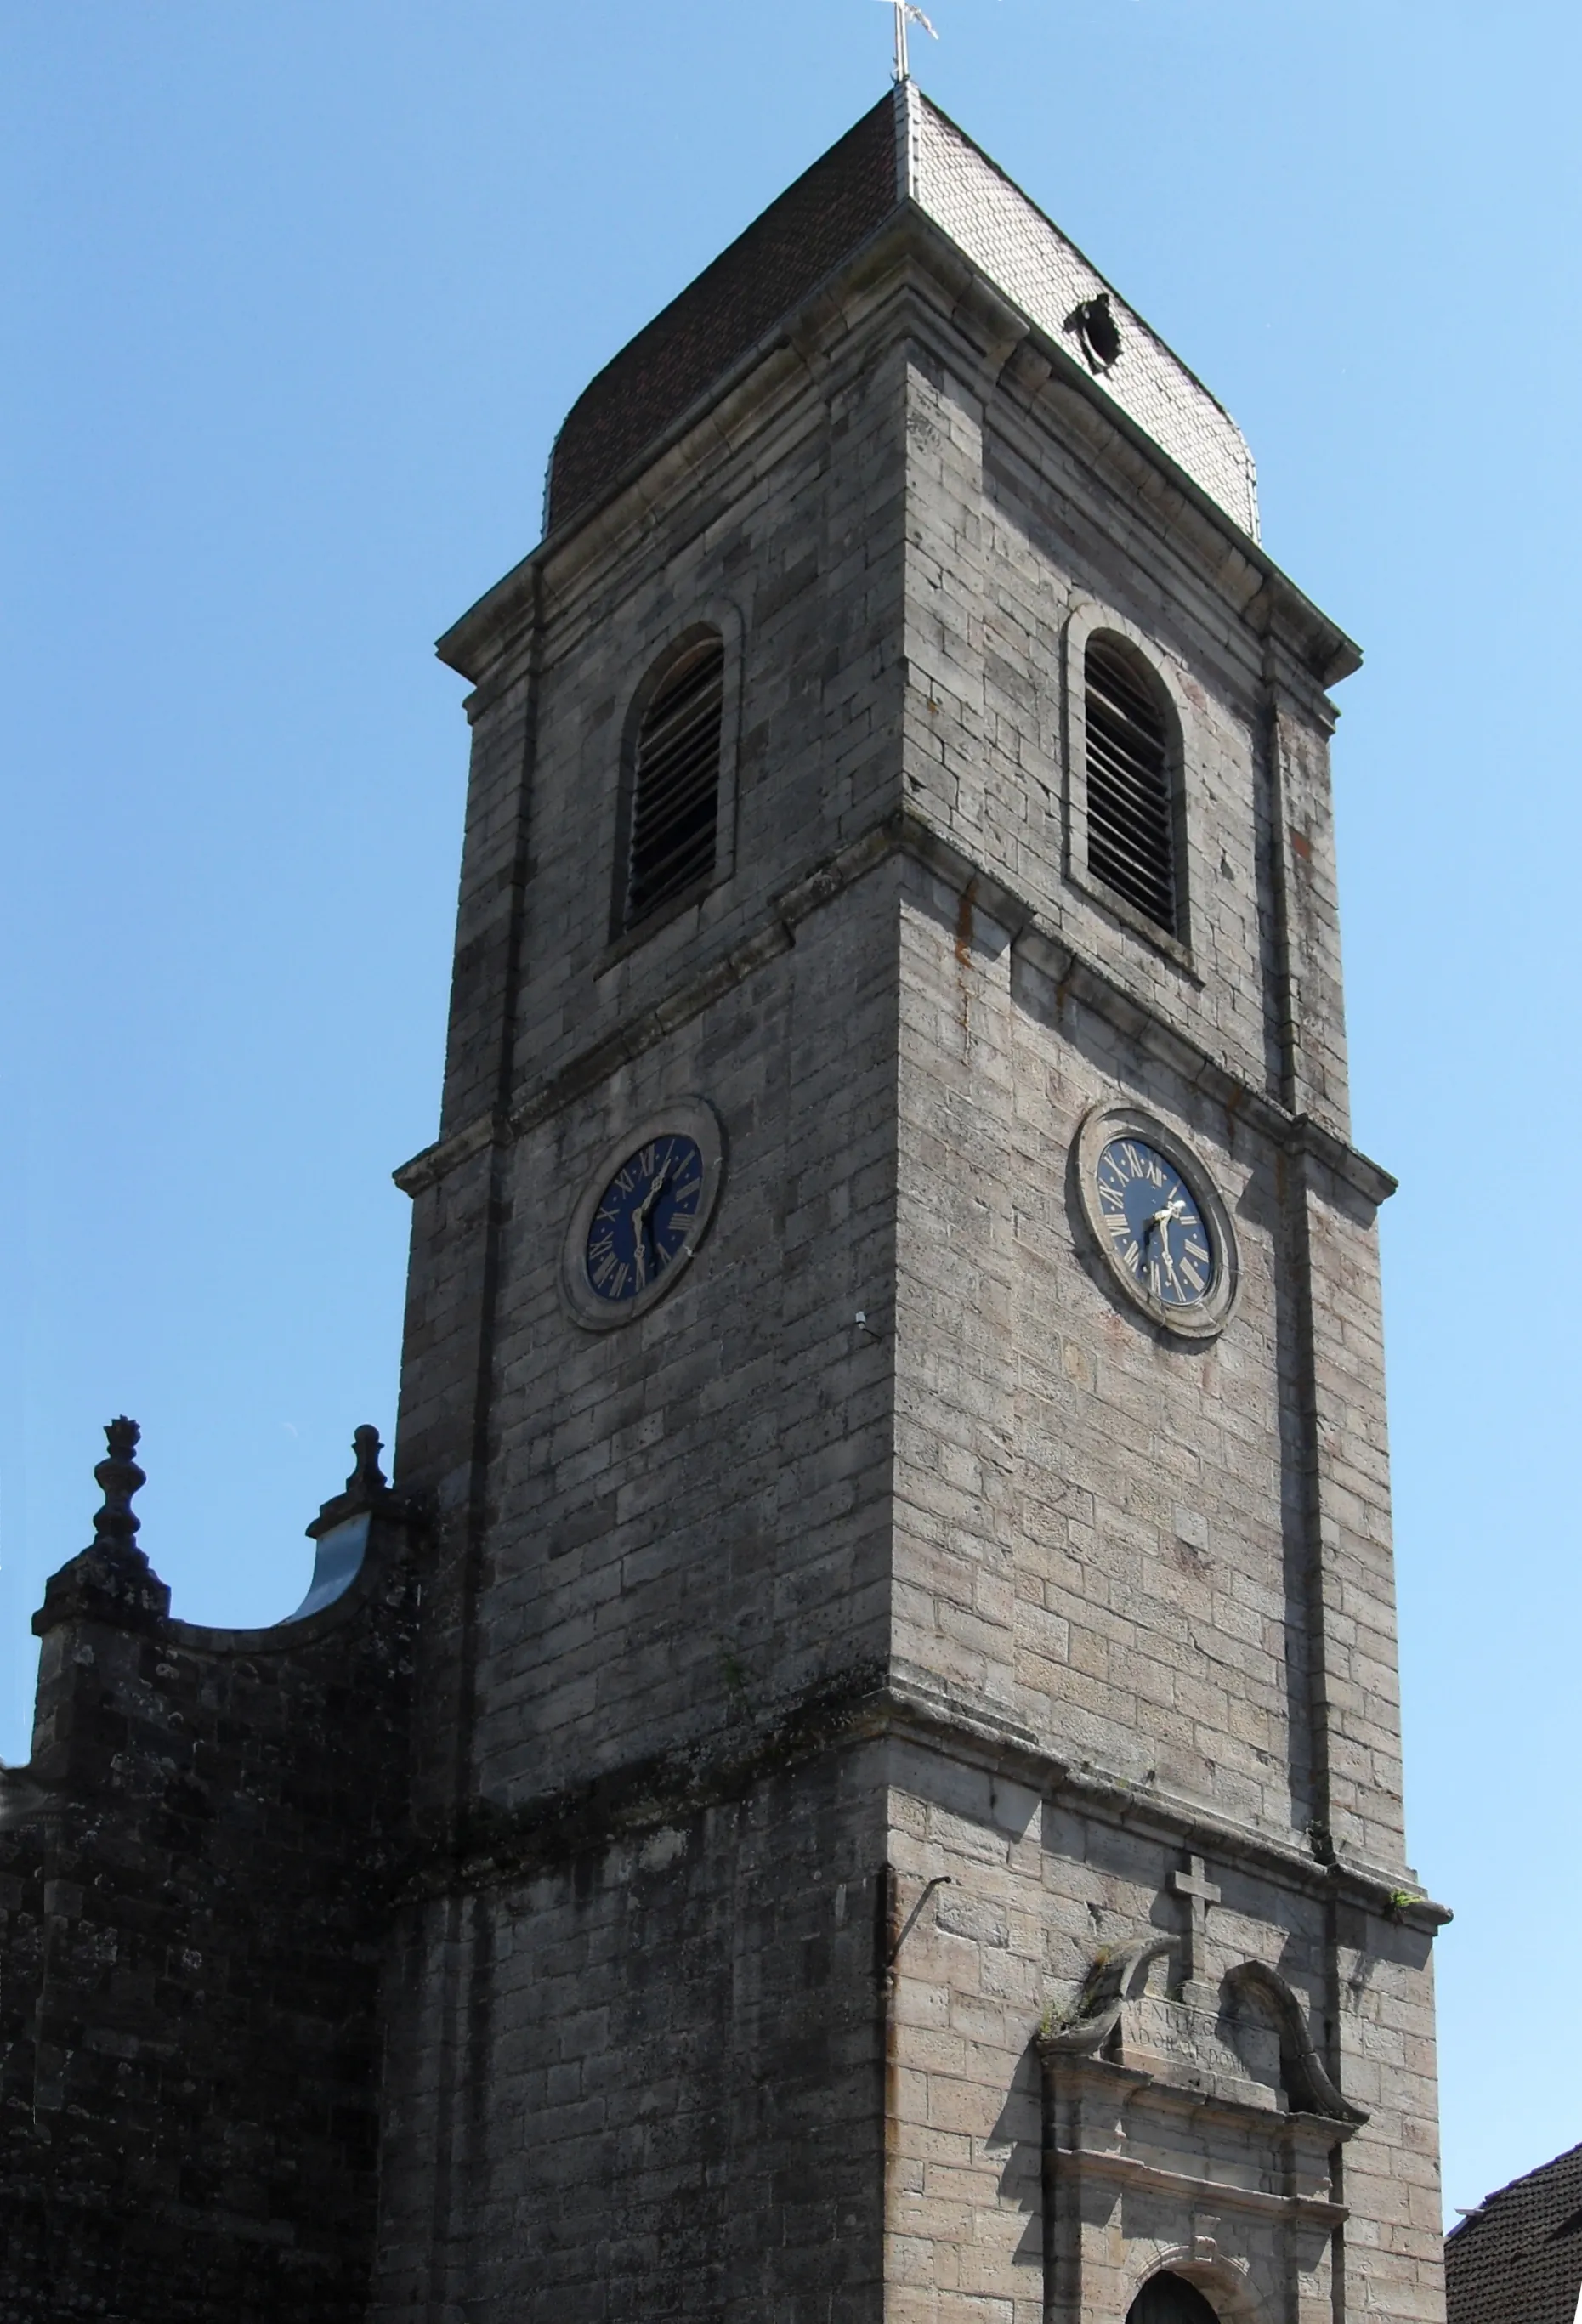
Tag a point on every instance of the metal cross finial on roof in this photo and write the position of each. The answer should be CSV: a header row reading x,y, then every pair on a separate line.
x,y
907,13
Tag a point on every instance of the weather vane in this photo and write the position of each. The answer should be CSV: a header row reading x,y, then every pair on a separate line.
x,y
906,12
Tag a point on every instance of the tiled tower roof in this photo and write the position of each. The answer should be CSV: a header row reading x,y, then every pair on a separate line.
x,y
1517,2259
904,153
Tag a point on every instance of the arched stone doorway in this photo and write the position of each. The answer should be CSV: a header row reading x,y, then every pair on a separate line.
x,y
1171,2300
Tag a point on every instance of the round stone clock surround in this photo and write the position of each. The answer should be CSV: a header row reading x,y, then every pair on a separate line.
x,y
621,1230
1201,1317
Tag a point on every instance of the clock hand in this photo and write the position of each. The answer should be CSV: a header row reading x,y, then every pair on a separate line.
x,y
1169,1268
639,1215
1178,1211
641,1235
1150,1228
1159,1224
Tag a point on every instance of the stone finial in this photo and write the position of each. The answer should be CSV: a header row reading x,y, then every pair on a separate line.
x,y
366,1477
367,1520
118,1476
111,1581
366,1488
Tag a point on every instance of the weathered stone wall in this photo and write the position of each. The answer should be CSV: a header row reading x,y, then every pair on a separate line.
x,y
667,1546
558,1459
1049,1871
189,1955
1165,1568
641,2072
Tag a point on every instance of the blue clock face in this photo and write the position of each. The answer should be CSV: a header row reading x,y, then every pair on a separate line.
x,y
643,1218
1154,1226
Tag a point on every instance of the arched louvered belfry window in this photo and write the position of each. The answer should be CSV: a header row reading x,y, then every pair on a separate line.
x,y
1132,842
674,824
1171,2300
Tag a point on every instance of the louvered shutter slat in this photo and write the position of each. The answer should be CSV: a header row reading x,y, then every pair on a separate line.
x,y
675,796
1131,809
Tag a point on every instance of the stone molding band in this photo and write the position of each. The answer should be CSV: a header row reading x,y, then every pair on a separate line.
x,y
910,251
1128,2171
493,1847
1031,933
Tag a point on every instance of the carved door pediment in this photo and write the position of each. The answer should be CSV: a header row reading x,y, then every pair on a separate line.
x,y
1199,2140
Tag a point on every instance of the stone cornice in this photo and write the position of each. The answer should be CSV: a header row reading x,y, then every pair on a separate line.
x,y
1003,1747
1128,2171
499,1846
910,251
1044,945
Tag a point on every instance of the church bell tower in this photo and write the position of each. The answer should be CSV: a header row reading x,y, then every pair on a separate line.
x,y
907,1760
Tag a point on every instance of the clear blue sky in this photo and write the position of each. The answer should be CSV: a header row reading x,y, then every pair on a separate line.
x,y
295,295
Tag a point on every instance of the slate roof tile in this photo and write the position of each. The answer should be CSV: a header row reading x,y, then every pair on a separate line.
x,y
1517,2259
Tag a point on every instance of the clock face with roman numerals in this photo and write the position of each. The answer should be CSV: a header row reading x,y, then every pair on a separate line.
x,y
1163,1233
1154,1227
643,1217
644,1209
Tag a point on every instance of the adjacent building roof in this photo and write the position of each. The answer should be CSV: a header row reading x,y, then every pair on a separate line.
x,y
1517,2259
904,153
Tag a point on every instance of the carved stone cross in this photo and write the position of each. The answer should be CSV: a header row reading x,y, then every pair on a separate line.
x,y
1200,1893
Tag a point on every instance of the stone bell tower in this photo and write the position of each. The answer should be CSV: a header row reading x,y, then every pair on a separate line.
x,y
907,1784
